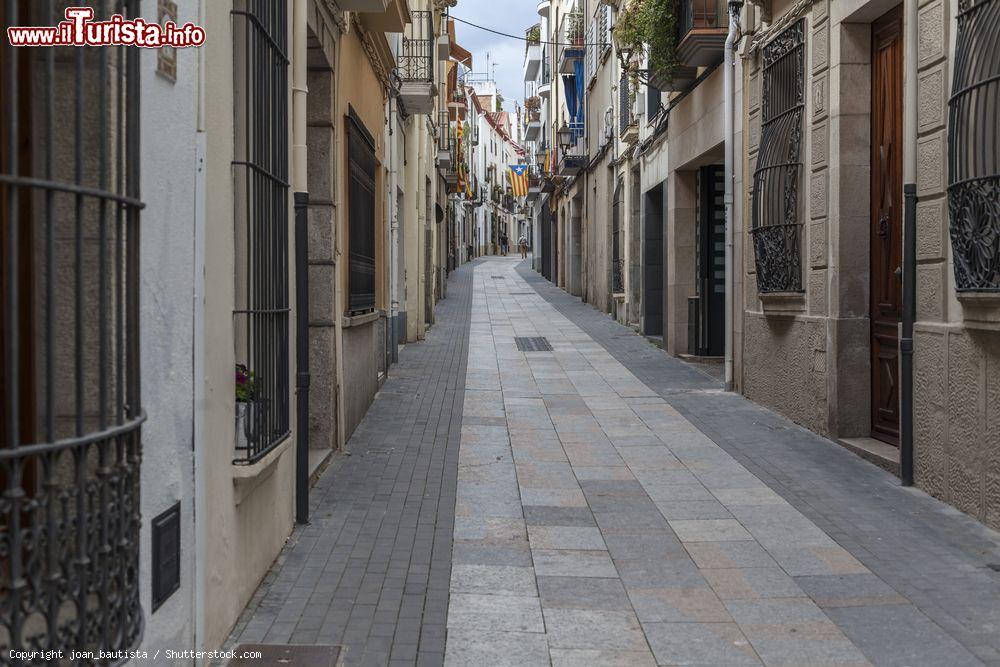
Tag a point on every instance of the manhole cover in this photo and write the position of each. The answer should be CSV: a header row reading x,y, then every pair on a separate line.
x,y
537,344
284,655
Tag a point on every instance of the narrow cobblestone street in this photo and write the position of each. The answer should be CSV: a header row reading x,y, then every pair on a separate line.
x,y
604,503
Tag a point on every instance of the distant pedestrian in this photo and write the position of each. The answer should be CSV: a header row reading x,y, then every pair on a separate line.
x,y
504,243
523,244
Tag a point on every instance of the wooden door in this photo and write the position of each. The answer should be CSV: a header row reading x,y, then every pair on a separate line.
x,y
886,221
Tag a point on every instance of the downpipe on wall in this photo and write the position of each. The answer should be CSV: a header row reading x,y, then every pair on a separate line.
x,y
301,197
735,8
909,247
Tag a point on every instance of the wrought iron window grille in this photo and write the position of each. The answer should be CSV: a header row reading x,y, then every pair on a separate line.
x,y
260,169
974,148
70,404
776,225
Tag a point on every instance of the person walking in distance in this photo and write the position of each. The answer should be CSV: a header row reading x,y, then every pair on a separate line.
x,y
503,244
523,245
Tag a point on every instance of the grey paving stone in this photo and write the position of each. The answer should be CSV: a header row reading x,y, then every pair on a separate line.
x,y
564,657
699,644
503,613
568,563
848,590
693,604
692,509
738,554
544,515
493,579
591,629
709,530
504,649
565,537
923,549
752,583
512,554
583,593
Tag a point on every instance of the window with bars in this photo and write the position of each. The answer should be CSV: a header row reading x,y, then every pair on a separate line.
x,y
361,215
974,148
70,405
260,169
776,217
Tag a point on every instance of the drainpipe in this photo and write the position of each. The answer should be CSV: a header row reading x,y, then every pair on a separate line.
x,y
301,196
909,246
735,7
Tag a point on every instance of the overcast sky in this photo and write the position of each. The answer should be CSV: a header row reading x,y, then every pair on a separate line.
x,y
510,16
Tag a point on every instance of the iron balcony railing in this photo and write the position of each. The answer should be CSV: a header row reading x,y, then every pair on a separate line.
x,y
701,14
546,72
416,61
70,404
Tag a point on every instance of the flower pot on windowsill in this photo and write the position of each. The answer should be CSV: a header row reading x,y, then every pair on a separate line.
x,y
249,417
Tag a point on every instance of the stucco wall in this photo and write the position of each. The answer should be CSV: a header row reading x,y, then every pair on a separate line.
x,y
240,541
168,117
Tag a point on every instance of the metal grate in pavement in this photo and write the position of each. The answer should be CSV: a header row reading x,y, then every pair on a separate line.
x,y
537,344
499,277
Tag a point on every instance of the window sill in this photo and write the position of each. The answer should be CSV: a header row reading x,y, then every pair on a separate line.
x,y
981,310
359,320
783,303
247,478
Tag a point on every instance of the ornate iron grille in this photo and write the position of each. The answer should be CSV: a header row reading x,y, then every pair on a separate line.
x,y
776,228
416,62
70,404
261,174
617,241
974,148
361,215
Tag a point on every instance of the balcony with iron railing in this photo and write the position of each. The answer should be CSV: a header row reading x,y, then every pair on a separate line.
x,y
532,53
416,64
571,37
702,28
574,158
545,74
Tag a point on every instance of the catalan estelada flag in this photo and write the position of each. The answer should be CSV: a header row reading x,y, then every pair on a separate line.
x,y
519,179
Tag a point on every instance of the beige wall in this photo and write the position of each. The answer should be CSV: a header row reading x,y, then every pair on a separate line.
x,y
249,509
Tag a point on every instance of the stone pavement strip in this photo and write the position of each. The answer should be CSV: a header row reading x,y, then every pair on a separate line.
x,y
598,524
604,503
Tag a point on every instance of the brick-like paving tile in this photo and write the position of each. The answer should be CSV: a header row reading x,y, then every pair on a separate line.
x,y
371,572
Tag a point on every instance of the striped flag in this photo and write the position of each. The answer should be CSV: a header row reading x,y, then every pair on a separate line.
x,y
519,179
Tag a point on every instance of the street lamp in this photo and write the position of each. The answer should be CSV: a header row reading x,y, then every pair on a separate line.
x,y
565,137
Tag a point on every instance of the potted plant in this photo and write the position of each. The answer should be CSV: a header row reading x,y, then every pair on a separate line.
x,y
574,28
652,23
247,421
534,35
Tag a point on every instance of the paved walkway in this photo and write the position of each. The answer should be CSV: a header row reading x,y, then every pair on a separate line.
x,y
604,503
